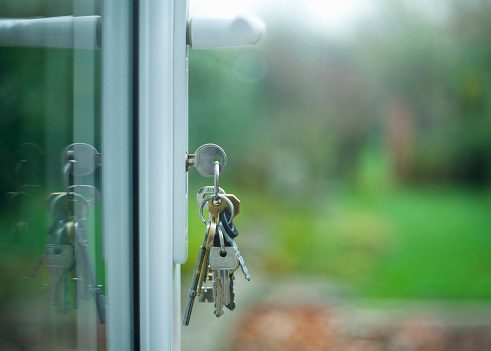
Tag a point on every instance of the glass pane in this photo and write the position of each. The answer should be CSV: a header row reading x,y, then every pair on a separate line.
x,y
53,281
358,139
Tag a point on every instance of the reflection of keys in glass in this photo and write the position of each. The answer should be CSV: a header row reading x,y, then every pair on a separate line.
x,y
81,158
87,269
59,260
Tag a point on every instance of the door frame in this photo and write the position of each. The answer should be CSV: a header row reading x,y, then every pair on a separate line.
x,y
162,134
117,172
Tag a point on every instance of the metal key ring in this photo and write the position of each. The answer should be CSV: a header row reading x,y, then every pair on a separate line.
x,y
216,177
75,197
222,197
66,172
222,241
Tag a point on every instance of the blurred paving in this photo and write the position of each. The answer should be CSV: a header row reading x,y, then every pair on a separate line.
x,y
309,314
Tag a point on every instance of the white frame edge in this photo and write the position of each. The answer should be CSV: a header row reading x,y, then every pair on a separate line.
x,y
159,277
180,231
117,170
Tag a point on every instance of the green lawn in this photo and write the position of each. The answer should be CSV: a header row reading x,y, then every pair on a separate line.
x,y
418,243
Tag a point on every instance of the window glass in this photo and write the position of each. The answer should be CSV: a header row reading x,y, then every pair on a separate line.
x,y
52,280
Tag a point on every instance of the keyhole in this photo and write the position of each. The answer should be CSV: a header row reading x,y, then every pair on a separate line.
x,y
223,253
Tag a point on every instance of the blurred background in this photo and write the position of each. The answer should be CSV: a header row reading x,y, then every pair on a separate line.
x,y
358,135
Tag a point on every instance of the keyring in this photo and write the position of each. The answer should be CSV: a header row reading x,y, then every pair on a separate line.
x,y
75,199
221,197
216,178
66,172
222,241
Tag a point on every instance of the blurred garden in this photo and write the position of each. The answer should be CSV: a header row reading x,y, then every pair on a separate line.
x,y
362,157
358,136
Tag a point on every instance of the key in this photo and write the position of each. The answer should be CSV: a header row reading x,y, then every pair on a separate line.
x,y
204,267
212,196
204,158
231,304
223,262
87,266
225,277
65,206
218,290
205,191
242,264
214,209
196,277
84,158
201,268
207,295
226,260
55,234
59,260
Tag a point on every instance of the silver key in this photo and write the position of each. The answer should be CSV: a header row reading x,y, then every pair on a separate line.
x,y
231,303
202,193
222,262
225,278
226,260
83,157
218,292
206,295
88,278
204,159
242,264
59,259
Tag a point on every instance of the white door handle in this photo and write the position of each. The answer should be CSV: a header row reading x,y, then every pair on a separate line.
x,y
52,32
214,32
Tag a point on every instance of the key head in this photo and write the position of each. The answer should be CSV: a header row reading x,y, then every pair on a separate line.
x,y
86,158
216,206
59,256
207,295
68,205
206,191
220,260
205,157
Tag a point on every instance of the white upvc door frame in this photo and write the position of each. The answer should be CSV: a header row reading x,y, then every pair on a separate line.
x,y
162,116
118,171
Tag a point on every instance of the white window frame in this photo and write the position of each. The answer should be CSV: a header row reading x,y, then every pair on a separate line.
x,y
117,177
162,100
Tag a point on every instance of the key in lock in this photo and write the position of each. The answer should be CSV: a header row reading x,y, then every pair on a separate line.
x,y
204,159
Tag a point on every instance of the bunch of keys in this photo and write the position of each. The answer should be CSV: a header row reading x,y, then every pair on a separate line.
x,y
67,255
219,255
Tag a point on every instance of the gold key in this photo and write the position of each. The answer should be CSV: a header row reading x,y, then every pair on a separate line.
x,y
235,201
204,267
216,208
